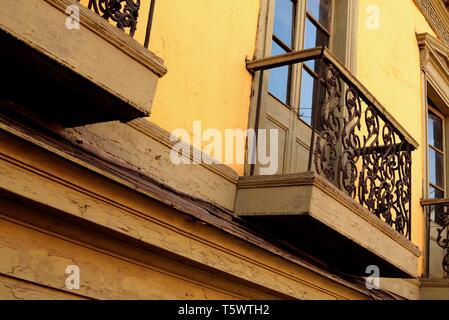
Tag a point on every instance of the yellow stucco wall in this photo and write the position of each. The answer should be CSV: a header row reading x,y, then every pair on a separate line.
x,y
388,63
207,79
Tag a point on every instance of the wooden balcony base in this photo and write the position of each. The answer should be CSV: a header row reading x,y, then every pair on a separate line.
x,y
314,218
73,77
40,86
434,289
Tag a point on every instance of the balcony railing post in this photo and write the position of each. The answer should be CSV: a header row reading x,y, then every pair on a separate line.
x,y
149,23
256,124
316,111
411,192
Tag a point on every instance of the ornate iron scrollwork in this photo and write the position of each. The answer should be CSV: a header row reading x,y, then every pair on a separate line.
x,y
326,153
360,152
123,12
443,233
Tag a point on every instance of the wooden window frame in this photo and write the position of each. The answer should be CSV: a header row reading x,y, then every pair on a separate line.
x,y
433,108
300,17
342,44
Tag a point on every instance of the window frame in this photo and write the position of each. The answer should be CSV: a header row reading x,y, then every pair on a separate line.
x,y
343,45
295,74
432,109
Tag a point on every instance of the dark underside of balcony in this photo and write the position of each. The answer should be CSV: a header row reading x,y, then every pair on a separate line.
x,y
326,247
37,84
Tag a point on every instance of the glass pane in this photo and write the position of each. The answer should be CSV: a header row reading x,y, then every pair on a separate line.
x,y
314,37
306,100
435,131
320,10
436,213
279,78
435,193
436,168
283,21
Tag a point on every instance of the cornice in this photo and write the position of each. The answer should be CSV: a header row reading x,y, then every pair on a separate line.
x,y
434,57
437,14
432,49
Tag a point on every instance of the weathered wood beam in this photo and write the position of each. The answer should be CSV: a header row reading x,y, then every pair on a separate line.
x,y
284,59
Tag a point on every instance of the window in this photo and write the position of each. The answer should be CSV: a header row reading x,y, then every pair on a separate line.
x,y
299,25
436,156
287,95
283,41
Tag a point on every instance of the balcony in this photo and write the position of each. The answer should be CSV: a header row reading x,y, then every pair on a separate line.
x,y
68,64
435,284
351,208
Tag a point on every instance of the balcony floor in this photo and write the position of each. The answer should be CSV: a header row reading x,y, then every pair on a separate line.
x,y
313,218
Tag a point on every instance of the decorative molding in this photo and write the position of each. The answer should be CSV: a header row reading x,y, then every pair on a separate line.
x,y
434,56
432,48
437,14
424,59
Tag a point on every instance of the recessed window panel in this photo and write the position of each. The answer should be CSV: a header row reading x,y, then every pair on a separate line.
x,y
314,37
320,10
436,168
436,213
283,21
435,193
278,84
306,99
435,131
436,160
310,35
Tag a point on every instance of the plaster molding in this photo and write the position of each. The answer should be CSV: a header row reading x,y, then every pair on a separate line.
x,y
434,56
437,14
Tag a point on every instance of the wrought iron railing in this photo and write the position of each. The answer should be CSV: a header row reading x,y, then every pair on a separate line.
x,y
124,13
355,143
437,214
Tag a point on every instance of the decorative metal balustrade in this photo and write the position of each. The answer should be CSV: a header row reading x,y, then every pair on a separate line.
x,y
437,213
124,13
355,144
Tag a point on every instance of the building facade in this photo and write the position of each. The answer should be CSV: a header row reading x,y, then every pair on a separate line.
x,y
240,149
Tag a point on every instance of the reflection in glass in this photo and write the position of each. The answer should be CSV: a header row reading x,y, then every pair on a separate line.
x,y
279,78
306,99
314,37
320,10
435,131
436,165
436,212
283,21
435,193
436,168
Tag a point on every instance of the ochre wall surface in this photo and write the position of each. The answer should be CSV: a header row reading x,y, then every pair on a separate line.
x,y
207,78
